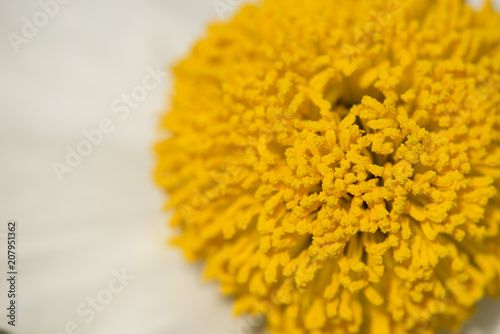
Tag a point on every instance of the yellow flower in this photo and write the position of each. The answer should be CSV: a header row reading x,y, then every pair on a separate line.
x,y
336,163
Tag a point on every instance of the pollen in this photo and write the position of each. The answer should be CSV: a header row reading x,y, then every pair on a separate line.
x,y
336,164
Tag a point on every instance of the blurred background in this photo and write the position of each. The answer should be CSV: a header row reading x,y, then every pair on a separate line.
x,y
82,87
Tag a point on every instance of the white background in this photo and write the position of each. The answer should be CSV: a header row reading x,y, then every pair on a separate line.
x,y
105,215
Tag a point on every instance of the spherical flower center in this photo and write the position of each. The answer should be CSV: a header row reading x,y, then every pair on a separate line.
x,y
337,163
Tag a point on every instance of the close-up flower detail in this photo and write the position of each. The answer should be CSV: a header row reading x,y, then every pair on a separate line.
x,y
336,163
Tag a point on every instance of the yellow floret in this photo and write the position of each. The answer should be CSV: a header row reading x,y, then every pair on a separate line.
x,y
337,163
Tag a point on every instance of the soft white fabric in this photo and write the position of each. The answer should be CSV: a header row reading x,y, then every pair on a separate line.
x,y
105,215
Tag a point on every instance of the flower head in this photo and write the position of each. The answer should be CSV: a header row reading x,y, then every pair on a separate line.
x,y
336,163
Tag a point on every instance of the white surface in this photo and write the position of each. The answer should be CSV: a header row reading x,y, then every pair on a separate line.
x,y
105,215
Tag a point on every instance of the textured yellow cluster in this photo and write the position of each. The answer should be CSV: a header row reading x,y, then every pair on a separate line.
x,y
336,163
